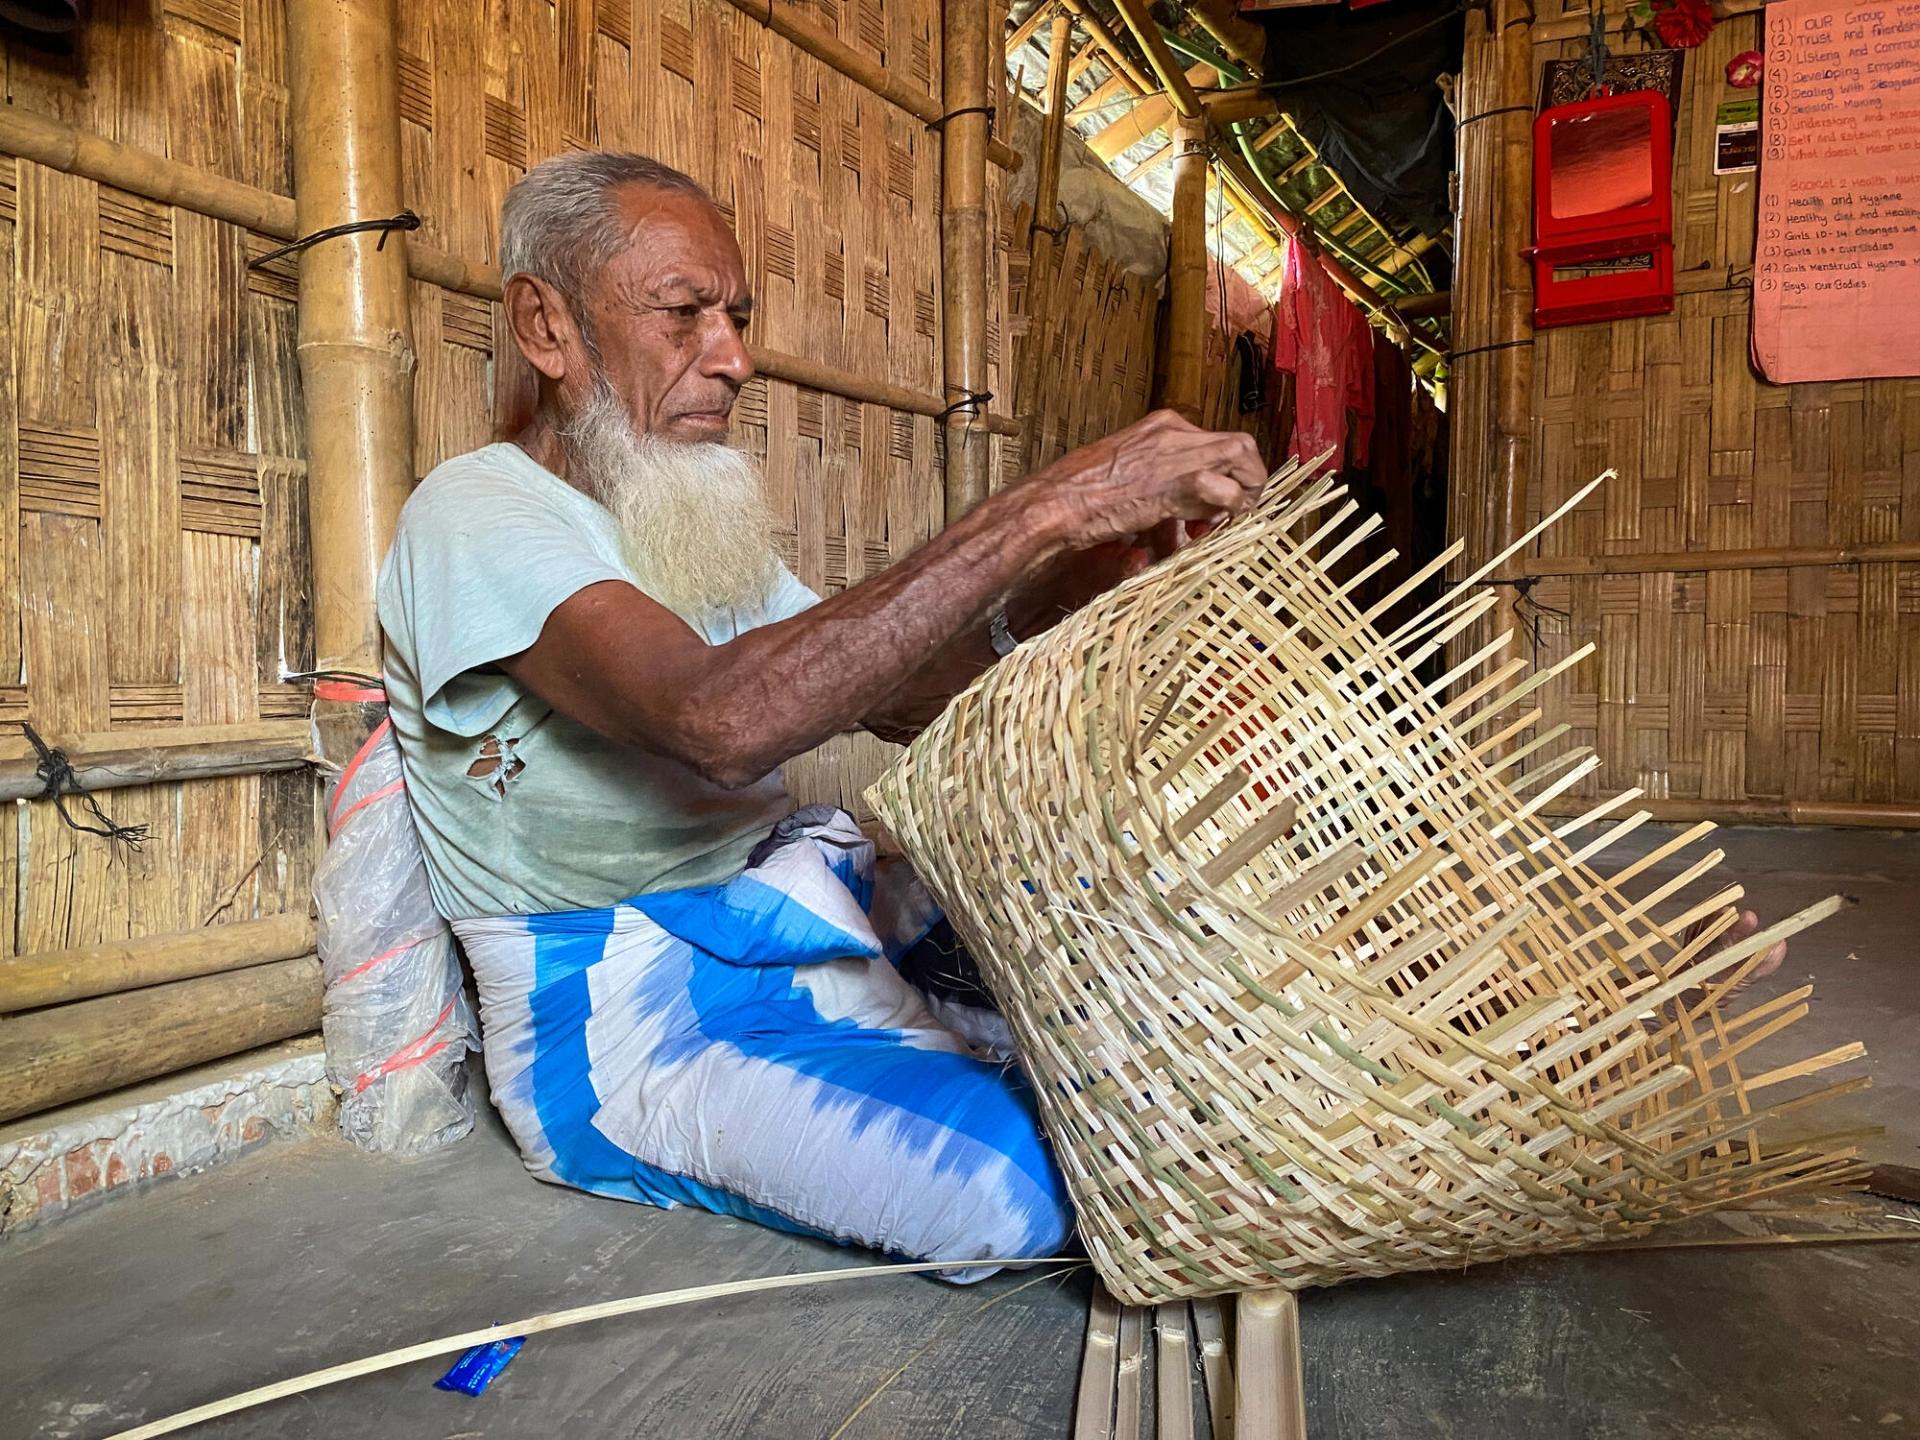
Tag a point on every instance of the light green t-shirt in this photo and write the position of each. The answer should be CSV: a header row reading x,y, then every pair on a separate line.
x,y
488,546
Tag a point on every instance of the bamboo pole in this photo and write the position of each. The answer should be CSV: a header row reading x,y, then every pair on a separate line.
x,y
788,19
1839,813
1185,378
193,759
1419,307
356,337
963,249
56,977
1776,557
1513,364
74,1051
1046,198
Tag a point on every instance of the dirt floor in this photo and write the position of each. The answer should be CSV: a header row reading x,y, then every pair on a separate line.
x,y
312,1254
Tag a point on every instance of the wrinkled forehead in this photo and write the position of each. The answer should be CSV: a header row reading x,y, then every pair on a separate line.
x,y
675,237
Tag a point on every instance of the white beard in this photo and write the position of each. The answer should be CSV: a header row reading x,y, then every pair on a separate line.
x,y
694,523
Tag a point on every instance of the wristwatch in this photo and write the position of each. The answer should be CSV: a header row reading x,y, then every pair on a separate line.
x,y
997,633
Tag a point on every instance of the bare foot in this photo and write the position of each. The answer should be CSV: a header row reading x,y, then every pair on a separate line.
x,y
1747,924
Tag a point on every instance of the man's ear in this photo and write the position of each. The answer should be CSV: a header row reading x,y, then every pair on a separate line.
x,y
542,326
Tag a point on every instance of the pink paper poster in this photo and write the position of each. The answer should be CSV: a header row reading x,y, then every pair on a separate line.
x,y
1836,275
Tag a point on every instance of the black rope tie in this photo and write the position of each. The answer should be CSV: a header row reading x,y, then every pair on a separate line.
x,y
405,220
1496,345
1534,610
1489,114
55,773
986,110
971,402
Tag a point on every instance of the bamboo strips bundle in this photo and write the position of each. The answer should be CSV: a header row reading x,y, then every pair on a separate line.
x,y
1306,988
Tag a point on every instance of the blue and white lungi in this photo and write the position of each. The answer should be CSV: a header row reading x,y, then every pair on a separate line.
x,y
750,1048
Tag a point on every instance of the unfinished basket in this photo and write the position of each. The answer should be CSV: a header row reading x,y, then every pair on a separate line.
x,y
1307,990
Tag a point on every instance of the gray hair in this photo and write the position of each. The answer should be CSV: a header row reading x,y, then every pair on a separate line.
x,y
558,222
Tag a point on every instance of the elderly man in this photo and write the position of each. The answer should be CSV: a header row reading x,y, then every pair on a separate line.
x,y
596,666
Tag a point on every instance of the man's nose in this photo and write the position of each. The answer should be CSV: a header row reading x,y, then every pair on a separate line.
x,y
726,357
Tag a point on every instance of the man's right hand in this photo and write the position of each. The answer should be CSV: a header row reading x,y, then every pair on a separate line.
x,y
1161,467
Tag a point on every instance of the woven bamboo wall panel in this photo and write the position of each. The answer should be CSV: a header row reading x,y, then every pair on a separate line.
x,y
154,576
1790,683
1097,372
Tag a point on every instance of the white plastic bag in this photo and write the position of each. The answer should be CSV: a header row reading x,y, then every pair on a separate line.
x,y
397,1021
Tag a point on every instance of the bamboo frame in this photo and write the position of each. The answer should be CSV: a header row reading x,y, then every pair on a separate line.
x,y
1770,557
56,977
1289,1026
154,177
356,331
788,20
1844,813
963,247
72,1052
193,755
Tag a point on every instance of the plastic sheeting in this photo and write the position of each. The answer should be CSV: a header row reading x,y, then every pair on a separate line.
x,y
397,1020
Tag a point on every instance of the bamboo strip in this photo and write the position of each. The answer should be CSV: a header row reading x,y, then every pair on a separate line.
x,y
540,1325
1173,1370
1270,1401
1099,1366
55,977
70,1052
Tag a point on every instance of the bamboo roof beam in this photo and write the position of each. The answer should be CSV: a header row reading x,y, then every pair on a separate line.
x,y
1176,82
1153,161
1152,113
1029,27
1242,40
1124,64
1101,96
1325,198
1082,58
1228,107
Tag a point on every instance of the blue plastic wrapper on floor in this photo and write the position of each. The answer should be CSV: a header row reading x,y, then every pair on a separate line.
x,y
480,1366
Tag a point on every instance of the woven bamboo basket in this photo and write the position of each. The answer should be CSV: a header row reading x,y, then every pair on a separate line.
x,y
1305,987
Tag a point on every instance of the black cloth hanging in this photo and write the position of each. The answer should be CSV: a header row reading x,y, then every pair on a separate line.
x,y
1380,122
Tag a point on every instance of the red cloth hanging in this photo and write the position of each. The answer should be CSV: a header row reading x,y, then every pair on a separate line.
x,y
1325,341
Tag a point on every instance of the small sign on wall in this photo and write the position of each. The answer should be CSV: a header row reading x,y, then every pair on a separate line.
x,y
1736,137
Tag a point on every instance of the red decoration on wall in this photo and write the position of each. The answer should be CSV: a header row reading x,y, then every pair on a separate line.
x,y
1744,70
1603,198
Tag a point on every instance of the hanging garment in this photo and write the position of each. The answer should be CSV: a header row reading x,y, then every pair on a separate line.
x,y
1323,340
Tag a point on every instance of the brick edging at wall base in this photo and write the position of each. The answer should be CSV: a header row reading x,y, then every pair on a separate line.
x,y
73,1163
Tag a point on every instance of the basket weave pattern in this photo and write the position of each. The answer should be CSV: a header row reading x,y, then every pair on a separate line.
x,y
1306,990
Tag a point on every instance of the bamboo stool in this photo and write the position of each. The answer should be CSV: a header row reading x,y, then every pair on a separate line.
x,y
1306,988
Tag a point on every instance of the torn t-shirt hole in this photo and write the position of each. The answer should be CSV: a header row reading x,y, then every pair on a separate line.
x,y
499,765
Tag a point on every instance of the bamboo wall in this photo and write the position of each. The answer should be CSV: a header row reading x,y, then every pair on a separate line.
x,y
1097,372
1739,690
154,580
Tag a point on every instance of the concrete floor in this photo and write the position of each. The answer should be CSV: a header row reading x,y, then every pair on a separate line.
x,y
313,1254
